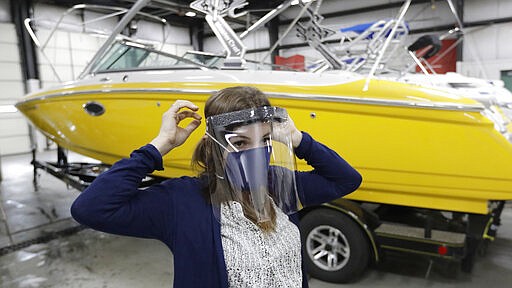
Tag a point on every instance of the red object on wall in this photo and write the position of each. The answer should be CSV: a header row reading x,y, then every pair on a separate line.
x,y
446,63
295,62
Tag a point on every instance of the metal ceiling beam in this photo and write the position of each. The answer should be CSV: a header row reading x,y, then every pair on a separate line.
x,y
181,9
360,10
446,27
182,21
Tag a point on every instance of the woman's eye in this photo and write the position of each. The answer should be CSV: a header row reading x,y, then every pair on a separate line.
x,y
238,144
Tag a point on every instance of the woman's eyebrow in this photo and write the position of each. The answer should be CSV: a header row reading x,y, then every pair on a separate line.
x,y
240,136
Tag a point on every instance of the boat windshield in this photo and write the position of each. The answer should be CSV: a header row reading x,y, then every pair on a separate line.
x,y
129,56
206,59
458,85
216,61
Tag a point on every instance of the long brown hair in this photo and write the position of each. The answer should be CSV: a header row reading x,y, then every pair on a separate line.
x,y
223,101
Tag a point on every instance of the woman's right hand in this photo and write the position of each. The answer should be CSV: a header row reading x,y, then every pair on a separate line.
x,y
171,135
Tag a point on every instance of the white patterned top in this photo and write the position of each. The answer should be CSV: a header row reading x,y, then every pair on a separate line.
x,y
257,259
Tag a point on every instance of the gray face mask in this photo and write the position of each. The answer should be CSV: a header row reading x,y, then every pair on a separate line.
x,y
248,169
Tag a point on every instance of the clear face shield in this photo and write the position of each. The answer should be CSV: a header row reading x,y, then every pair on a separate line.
x,y
254,161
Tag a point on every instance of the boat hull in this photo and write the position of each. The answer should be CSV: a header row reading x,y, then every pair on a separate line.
x,y
444,159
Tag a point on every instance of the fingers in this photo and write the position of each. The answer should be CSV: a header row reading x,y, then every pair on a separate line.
x,y
181,115
175,114
176,106
187,114
192,126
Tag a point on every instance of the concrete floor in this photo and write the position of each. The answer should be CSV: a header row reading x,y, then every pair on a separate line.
x,y
92,259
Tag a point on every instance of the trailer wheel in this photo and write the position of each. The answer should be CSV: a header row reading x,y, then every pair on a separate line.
x,y
335,247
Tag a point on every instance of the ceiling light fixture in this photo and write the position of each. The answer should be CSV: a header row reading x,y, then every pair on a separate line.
x,y
295,2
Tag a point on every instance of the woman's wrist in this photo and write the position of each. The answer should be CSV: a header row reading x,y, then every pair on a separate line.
x,y
161,145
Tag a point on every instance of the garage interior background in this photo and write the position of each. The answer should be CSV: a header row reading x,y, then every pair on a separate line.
x,y
484,51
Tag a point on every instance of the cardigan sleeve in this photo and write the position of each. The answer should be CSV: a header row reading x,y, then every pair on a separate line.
x,y
113,203
331,178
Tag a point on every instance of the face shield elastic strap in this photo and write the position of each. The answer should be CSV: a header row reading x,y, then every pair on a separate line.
x,y
217,141
220,144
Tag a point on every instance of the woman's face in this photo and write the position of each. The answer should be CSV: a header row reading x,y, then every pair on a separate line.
x,y
249,136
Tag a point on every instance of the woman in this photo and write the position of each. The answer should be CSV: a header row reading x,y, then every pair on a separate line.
x,y
228,226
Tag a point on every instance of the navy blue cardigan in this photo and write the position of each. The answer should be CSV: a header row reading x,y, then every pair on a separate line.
x,y
176,213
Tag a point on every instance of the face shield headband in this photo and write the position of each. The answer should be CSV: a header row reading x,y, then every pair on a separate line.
x,y
223,122
250,166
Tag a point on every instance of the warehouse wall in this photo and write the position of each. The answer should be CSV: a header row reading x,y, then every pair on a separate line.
x,y
487,48
13,127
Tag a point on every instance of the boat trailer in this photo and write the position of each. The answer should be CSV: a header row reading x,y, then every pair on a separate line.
x,y
78,175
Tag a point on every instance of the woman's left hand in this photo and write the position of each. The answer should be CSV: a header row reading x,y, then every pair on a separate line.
x,y
280,130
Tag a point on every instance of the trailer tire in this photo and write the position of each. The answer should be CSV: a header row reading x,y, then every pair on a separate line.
x,y
337,242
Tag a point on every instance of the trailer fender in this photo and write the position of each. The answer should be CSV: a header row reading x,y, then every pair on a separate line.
x,y
365,219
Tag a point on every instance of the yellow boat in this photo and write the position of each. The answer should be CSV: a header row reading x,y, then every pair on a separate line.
x,y
414,146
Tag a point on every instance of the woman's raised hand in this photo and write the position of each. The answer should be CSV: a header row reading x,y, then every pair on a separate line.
x,y
280,130
171,135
